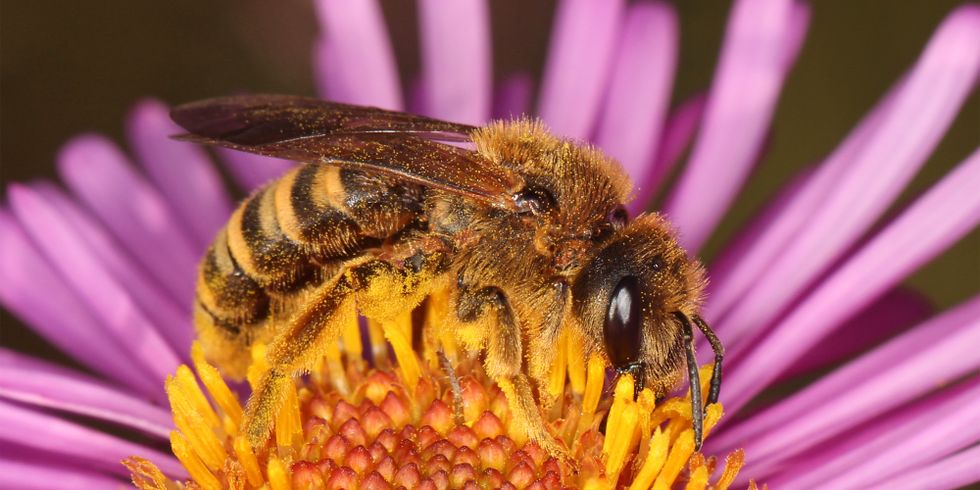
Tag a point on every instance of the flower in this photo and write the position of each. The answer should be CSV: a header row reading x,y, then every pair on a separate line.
x,y
812,282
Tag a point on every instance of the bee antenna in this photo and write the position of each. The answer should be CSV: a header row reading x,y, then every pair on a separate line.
x,y
719,351
694,378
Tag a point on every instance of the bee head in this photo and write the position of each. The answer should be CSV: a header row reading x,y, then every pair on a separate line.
x,y
629,296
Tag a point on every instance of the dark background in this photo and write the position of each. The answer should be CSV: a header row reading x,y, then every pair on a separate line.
x,y
70,67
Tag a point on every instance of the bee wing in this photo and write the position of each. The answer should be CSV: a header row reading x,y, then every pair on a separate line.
x,y
402,145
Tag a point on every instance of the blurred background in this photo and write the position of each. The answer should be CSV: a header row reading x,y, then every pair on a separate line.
x,y
71,67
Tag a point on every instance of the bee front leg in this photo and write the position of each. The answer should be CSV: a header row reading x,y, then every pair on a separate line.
x,y
503,361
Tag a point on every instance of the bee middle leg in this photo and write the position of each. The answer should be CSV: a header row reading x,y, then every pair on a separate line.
x,y
503,361
304,339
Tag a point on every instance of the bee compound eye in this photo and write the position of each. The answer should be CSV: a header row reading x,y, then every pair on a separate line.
x,y
623,322
534,200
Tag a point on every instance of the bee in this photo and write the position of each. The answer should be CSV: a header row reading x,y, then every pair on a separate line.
x,y
526,231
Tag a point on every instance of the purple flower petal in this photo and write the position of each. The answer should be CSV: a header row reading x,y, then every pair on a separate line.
x,y
60,437
682,123
957,471
353,60
161,309
893,313
32,289
137,215
750,75
121,324
182,171
900,370
512,97
251,171
639,93
36,476
936,220
456,58
890,446
752,253
580,55
927,103
34,382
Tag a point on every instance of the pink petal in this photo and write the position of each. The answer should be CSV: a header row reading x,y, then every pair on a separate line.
x,y
137,215
893,313
682,123
120,322
746,243
456,59
639,93
512,97
38,383
936,427
252,171
900,370
33,290
935,221
60,437
957,471
182,172
172,319
751,255
849,450
750,75
36,476
929,100
579,60
353,61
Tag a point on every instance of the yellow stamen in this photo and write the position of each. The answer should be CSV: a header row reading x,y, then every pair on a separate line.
x,y
259,365
680,452
623,440
217,387
243,450
195,467
278,476
435,322
199,403
622,398
400,339
596,376
350,335
146,475
597,484
655,459
333,359
379,346
733,463
698,479
712,416
289,425
576,364
646,402
195,426
556,380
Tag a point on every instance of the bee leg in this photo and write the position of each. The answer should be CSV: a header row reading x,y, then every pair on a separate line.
x,y
503,363
694,379
303,340
719,351
447,366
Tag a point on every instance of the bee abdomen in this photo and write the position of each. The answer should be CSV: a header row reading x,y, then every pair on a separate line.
x,y
282,238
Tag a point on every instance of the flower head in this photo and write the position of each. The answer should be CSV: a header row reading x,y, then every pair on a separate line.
x,y
812,282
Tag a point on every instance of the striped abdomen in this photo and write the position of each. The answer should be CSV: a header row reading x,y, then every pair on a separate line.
x,y
281,240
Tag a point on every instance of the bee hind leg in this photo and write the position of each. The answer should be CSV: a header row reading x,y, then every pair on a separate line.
x,y
304,339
